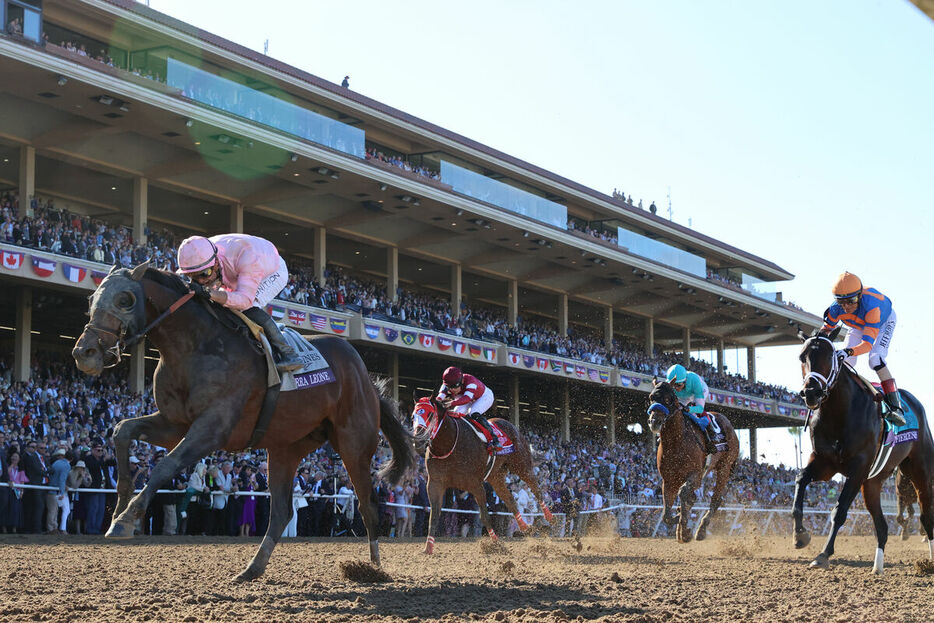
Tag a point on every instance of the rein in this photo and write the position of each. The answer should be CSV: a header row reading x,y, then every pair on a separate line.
x,y
121,342
457,432
825,383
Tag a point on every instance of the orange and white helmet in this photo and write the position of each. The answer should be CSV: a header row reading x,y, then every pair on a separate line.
x,y
195,254
847,286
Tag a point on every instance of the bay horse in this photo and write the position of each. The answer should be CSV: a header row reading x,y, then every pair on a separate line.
x,y
906,497
208,387
455,457
846,432
682,459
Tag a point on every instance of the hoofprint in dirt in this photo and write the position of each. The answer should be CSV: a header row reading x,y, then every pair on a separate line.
x,y
540,580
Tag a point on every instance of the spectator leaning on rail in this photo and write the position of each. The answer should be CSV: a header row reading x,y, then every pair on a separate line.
x,y
241,272
692,392
870,322
467,395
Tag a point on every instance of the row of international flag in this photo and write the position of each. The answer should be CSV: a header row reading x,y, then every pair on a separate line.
x,y
45,268
557,366
430,341
318,322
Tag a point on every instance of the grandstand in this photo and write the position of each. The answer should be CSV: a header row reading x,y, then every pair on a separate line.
x,y
123,130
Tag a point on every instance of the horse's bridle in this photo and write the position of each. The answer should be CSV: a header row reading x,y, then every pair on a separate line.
x,y
824,383
438,416
121,342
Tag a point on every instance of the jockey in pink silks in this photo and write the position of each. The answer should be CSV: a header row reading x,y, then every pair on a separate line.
x,y
241,272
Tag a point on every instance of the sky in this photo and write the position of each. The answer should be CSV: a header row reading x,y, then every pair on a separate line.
x,y
799,131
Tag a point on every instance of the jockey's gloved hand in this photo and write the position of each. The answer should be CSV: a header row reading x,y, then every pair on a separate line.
x,y
843,353
200,291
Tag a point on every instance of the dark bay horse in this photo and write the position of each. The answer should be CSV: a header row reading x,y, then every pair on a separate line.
x,y
208,387
846,431
906,497
682,459
455,457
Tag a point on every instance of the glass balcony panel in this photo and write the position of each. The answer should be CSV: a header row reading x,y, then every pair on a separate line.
x,y
660,252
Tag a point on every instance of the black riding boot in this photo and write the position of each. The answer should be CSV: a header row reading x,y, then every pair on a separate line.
x,y
894,415
480,419
286,359
711,445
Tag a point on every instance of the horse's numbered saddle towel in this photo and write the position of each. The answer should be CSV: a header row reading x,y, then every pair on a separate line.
x,y
505,443
315,369
893,435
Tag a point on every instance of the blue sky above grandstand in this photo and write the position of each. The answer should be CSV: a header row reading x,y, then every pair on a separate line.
x,y
799,131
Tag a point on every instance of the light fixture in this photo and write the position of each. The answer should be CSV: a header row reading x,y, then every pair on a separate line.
x,y
62,80
106,100
189,123
206,212
124,107
383,187
406,198
113,188
223,138
293,157
296,174
416,202
335,175
459,212
525,234
322,171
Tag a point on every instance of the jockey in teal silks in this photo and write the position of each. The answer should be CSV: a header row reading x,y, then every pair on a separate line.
x,y
692,393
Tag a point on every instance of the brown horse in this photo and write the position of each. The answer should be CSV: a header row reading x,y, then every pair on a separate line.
x,y
209,385
906,497
682,459
455,457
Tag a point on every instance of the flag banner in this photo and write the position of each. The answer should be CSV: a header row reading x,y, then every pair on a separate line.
x,y
475,351
74,274
12,260
569,368
97,276
319,323
528,361
513,358
408,338
391,334
542,364
277,313
338,325
636,382
579,371
460,348
371,330
489,354
444,343
43,268
604,377
296,316
592,374
427,341
624,380
556,366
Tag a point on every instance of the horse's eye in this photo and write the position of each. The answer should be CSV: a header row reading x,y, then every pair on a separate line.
x,y
126,300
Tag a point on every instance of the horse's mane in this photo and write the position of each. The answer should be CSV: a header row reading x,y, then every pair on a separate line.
x,y
167,279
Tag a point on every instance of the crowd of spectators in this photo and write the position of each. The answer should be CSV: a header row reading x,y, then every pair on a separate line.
x,y
397,161
54,430
67,233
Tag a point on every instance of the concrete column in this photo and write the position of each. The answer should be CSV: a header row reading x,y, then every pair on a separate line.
x,y
137,380
611,419
236,218
22,342
392,272
140,209
751,363
649,337
27,179
512,301
753,446
562,315
457,288
320,252
720,365
608,326
514,400
566,413
686,345
394,375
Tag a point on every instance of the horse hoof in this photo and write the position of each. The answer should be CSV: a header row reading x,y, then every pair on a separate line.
x,y
119,531
700,536
821,562
904,536
247,575
802,539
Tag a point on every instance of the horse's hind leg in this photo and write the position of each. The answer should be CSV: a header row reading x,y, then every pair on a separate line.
x,y
479,495
282,465
524,471
924,486
498,481
871,489
357,462
688,497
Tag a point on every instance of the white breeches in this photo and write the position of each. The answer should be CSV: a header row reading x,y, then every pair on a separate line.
x,y
480,405
880,348
271,285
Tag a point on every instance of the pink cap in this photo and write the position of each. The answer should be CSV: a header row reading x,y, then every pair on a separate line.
x,y
195,254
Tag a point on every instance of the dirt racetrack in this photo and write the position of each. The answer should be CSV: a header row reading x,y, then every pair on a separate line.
x,y
540,580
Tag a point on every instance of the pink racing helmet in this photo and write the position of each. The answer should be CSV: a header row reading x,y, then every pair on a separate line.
x,y
195,254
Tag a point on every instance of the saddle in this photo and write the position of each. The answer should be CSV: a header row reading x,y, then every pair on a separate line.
x,y
506,445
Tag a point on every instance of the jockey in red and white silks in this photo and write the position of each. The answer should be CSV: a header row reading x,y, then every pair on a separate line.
x,y
466,395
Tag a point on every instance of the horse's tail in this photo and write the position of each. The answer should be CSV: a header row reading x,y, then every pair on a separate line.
x,y
400,441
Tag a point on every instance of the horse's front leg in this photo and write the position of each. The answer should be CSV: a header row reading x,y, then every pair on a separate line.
x,y
847,495
871,491
436,499
668,500
688,497
155,428
206,435
801,536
